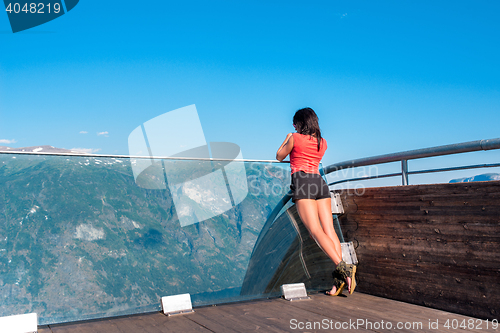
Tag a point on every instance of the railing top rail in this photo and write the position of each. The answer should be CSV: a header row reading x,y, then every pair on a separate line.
x,y
133,156
465,147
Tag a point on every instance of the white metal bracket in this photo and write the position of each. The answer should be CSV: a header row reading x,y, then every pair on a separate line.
x,y
176,304
294,292
24,323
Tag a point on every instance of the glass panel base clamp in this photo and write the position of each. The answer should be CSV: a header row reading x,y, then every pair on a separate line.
x,y
294,292
176,304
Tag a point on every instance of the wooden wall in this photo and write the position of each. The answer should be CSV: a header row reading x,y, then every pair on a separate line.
x,y
432,245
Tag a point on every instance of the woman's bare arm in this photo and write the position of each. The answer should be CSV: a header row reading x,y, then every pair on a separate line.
x,y
285,148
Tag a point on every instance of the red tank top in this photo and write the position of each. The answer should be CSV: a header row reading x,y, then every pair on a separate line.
x,y
305,155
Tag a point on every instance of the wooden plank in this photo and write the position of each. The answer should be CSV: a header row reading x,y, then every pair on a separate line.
x,y
149,323
431,211
268,316
99,326
159,322
351,221
350,315
368,306
275,315
368,315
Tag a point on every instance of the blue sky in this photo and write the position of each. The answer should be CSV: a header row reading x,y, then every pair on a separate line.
x,y
383,76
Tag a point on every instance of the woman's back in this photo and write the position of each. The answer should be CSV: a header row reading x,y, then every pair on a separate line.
x,y
305,155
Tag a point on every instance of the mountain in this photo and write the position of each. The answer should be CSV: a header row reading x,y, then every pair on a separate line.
x,y
42,149
80,240
478,178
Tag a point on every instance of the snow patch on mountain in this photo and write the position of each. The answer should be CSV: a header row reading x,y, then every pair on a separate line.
x,y
477,178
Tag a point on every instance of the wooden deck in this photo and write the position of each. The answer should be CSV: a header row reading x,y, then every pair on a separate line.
x,y
359,312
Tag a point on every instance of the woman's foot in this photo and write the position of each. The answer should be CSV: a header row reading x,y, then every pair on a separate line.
x,y
349,284
338,284
337,288
343,273
334,291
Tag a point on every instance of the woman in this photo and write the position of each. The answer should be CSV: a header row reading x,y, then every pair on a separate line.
x,y
311,194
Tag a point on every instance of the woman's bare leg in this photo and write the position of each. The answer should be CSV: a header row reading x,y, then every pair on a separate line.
x,y
308,212
326,220
316,216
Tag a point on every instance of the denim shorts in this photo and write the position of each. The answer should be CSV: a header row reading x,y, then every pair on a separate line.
x,y
308,186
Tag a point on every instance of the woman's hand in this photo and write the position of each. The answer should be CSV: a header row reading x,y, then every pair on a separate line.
x,y
285,148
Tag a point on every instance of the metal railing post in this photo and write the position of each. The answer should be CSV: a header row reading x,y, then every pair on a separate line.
x,y
404,171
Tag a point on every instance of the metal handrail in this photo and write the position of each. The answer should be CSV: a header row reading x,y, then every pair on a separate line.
x,y
466,167
458,148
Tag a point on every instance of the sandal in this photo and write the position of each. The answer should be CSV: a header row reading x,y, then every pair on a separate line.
x,y
352,270
343,272
337,283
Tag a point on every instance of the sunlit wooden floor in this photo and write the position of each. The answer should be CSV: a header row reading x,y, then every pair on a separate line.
x,y
357,312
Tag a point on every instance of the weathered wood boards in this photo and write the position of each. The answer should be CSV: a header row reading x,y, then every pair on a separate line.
x,y
432,245
357,312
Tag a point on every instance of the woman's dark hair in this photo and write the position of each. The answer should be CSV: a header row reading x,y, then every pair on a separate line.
x,y
306,122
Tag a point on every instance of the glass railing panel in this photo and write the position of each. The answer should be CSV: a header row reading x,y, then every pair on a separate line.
x,y
83,237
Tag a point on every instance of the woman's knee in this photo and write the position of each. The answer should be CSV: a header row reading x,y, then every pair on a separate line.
x,y
317,233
